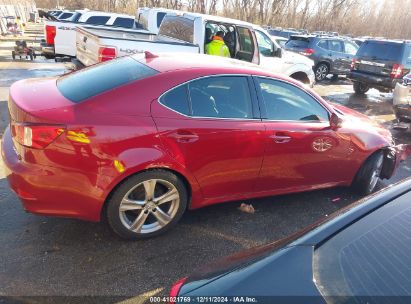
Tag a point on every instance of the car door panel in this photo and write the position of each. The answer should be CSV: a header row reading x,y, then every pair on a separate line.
x,y
302,150
299,154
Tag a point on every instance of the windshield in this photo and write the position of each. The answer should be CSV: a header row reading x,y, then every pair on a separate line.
x,y
368,259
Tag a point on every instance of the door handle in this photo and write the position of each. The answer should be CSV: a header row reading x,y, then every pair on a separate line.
x,y
184,137
281,139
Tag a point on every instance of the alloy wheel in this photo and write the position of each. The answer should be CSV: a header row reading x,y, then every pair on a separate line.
x,y
321,72
149,206
375,175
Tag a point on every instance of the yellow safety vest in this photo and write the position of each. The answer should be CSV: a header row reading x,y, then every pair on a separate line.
x,y
217,48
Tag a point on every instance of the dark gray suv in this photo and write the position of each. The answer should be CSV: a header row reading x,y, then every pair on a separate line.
x,y
332,55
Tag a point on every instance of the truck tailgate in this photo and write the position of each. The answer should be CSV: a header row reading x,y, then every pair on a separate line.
x,y
129,42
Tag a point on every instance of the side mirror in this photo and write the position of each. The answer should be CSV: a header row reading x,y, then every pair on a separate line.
x,y
335,121
278,52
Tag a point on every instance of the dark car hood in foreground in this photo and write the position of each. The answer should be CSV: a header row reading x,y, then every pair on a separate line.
x,y
274,271
270,279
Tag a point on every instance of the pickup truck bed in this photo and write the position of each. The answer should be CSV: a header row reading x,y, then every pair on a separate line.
x,y
91,41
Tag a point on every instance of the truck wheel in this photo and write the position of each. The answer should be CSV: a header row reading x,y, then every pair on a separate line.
x,y
360,88
369,174
146,204
321,71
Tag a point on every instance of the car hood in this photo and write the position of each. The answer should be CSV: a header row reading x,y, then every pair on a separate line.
x,y
286,272
296,58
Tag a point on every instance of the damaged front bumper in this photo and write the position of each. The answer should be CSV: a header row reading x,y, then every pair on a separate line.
x,y
394,155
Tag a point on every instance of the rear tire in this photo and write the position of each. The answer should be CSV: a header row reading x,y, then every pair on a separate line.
x,y
321,71
360,88
369,174
146,204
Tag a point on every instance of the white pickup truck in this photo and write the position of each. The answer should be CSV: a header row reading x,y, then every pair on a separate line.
x,y
189,33
61,34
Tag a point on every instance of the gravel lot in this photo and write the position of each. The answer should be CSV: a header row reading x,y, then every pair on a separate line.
x,y
43,256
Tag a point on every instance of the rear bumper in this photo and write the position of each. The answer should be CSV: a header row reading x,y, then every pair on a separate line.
x,y
47,49
47,190
403,112
374,81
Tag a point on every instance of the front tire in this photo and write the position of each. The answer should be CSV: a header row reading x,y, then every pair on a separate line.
x,y
360,88
369,174
321,71
146,204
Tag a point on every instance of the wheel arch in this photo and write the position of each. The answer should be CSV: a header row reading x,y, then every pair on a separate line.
x,y
124,178
301,76
386,150
327,63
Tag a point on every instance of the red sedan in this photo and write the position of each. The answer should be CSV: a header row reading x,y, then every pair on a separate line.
x,y
140,139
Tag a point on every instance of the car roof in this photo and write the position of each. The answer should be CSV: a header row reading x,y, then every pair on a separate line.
x,y
165,62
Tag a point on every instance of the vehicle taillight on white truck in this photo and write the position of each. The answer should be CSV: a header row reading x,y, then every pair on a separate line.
x,y
50,34
106,53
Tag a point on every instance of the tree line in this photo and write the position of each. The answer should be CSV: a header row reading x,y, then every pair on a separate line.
x,y
378,18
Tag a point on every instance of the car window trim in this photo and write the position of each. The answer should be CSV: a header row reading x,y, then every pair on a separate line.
x,y
254,102
262,106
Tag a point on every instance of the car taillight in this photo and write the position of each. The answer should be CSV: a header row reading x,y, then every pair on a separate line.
x,y
50,34
175,289
354,64
307,52
396,71
35,136
106,53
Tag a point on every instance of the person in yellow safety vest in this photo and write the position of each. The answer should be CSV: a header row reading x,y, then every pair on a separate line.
x,y
217,46
20,25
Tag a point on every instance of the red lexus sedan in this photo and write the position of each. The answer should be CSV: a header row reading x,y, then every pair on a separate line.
x,y
140,139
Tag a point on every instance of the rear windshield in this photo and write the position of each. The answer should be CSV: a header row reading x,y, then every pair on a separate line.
x,y
381,50
65,15
103,77
97,20
370,258
177,27
297,42
123,22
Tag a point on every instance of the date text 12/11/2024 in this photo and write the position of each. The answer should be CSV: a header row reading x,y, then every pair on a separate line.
x,y
203,299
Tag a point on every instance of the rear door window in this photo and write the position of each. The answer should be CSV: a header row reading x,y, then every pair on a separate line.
x,y
177,100
336,46
381,50
177,27
98,20
323,44
123,22
104,77
221,97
